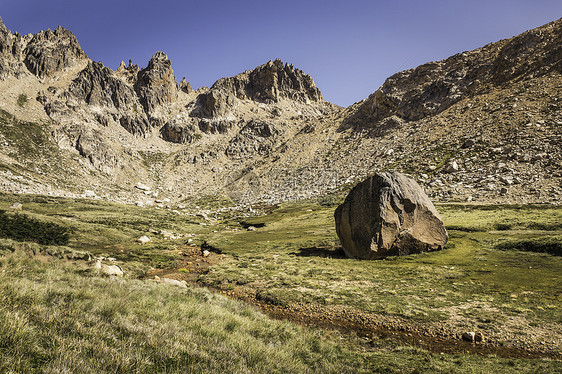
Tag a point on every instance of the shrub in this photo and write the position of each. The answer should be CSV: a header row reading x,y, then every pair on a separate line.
x,y
549,244
23,228
22,99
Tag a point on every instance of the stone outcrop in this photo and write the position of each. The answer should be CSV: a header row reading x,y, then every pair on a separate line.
x,y
11,48
433,87
52,51
256,137
177,131
96,85
213,104
156,84
270,83
185,86
388,214
5,39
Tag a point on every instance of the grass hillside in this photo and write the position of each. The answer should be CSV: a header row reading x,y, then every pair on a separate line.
x,y
396,315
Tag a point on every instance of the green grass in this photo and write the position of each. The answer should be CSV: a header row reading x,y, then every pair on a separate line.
x,y
291,258
57,317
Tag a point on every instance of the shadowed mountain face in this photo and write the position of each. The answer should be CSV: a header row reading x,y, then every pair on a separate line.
x,y
483,125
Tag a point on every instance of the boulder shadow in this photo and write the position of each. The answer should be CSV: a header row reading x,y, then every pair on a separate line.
x,y
327,252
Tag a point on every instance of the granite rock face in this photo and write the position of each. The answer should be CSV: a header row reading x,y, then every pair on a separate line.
x,y
270,83
388,214
156,84
52,51
435,86
11,49
185,86
255,138
5,39
96,85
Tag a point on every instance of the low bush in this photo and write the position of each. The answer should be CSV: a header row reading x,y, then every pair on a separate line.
x,y
23,228
548,244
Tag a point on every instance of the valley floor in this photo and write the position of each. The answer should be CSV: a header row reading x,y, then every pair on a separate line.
x,y
395,315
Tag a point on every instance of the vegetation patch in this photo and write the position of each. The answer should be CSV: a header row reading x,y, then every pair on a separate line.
x,y
23,228
22,99
549,244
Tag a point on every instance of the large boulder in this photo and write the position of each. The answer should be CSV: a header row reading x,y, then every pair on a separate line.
x,y
388,215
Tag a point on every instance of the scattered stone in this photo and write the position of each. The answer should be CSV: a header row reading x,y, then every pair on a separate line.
x,y
388,214
479,337
112,270
468,336
143,239
452,167
16,206
468,143
173,282
143,187
251,228
206,253
89,193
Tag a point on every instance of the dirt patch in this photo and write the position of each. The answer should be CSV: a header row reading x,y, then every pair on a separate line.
x,y
193,262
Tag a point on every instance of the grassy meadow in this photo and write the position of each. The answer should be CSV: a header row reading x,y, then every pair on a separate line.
x,y
500,275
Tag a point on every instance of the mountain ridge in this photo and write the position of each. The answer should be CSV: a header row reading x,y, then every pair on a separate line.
x,y
268,135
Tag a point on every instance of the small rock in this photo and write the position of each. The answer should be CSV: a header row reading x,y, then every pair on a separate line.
x,y
89,193
506,179
478,337
16,206
468,143
108,269
251,228
206,253
143,187
452,167
174,282
143,239
468,336
111,270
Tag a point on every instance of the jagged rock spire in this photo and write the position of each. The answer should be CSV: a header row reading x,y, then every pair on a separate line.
x,y
156,84
51,51
271,82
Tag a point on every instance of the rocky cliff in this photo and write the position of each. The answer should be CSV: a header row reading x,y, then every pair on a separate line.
x,y
270,83
433,87
483,125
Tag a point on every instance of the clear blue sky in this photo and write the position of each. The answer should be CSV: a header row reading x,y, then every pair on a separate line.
x,y
348,47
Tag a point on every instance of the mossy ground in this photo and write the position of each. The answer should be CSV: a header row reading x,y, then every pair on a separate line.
x,y
292,258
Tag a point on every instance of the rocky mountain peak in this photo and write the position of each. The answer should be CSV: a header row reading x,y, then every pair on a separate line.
x,y
435,86
5,38
51,51
185,86
156,84
270,83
